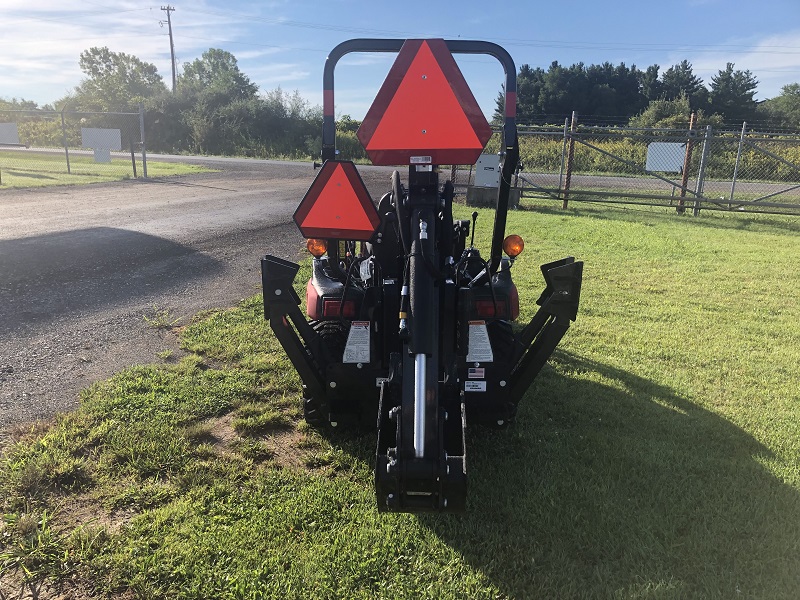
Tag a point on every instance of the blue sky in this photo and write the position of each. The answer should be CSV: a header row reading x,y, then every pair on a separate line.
x,y
284,42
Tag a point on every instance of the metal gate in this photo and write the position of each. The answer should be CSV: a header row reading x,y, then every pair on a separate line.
x,y
688,169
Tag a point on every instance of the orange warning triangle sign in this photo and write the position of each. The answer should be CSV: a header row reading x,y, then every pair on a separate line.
x,y
337,205
424,108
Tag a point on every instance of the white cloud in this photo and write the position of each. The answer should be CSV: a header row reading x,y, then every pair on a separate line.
x,y
774,61
42,41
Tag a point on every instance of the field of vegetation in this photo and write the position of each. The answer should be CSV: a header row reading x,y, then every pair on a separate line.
x,y
657,456
22,168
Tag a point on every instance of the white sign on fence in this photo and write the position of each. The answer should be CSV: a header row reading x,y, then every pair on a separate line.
x,y
9,133
666,157
487,171
102,140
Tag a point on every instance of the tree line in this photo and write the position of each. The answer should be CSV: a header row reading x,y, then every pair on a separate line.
x,y
646,98
217,109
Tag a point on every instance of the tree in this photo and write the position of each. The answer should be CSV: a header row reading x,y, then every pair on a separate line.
x,y
561,90
614,90
115,81
529,86
784,108
597,90
680,80
649,83
17,104
217,72
672,114
733,94
220,103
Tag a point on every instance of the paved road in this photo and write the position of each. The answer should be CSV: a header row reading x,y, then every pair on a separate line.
x,y
81,266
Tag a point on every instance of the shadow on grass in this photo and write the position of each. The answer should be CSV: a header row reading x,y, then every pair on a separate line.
x,y
29,174
623,488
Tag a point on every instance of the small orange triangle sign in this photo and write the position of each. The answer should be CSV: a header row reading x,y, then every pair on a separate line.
x,y
424,109
337,205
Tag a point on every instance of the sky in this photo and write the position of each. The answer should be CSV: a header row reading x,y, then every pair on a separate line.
x,y
284,43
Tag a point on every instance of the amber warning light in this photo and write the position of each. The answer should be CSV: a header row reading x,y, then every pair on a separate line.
x,y
513,245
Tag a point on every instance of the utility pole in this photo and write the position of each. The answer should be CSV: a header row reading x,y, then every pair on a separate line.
x,y
168,9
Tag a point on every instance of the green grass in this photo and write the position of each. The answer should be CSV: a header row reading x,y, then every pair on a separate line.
x,y
658,456
21,169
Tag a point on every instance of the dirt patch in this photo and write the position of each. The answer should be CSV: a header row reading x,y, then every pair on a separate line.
x,y
19,432
74,512
222,433
14,587
287,448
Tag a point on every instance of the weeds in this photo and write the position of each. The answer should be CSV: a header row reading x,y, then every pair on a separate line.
x,y
160,318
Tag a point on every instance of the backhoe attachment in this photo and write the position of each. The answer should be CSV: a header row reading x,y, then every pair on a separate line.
x,y
409,329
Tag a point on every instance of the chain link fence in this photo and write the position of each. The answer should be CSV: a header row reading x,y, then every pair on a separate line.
x,y
38,146
743,169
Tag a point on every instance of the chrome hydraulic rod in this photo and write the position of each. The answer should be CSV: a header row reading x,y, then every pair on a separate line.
x,y
420,369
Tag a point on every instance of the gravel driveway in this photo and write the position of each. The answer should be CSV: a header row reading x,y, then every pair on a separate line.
x,y
80,268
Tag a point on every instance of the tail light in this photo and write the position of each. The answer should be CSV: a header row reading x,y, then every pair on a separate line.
x,y
485,309
507,308
331,308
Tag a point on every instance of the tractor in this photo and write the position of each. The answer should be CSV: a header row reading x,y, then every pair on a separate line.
x,y
409,328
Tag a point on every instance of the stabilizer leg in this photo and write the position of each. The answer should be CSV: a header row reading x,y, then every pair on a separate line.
x,y
308,353
558,307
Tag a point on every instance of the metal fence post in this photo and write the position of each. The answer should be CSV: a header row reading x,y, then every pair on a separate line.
x,y
698,191
563,157
687,163
144,146
570,155
738,158
64,137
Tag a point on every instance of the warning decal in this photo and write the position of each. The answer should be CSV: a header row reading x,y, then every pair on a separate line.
x,y
480,348
357,348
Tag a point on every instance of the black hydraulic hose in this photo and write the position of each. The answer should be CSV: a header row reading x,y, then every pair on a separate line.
x,y
466,257
446,246
402,214
346,285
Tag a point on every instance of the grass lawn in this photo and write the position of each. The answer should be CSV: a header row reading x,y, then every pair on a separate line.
x,y
658,456
24,169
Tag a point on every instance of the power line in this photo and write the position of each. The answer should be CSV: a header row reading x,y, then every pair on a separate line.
x,y
642,47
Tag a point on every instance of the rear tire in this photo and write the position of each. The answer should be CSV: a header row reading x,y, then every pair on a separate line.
x,y
316,410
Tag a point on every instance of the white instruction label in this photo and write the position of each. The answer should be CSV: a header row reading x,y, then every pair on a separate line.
x,y
480,349
365,269
357,348
474,386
